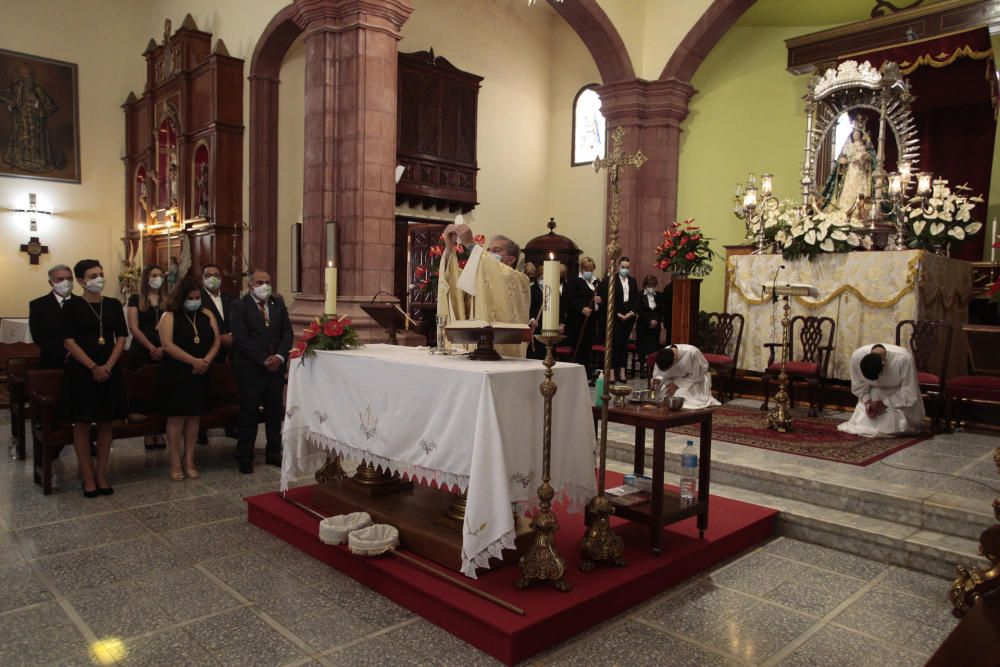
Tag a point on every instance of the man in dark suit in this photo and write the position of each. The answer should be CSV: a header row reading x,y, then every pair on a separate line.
x,y
262,338
580,295
220,305
626,304
45,318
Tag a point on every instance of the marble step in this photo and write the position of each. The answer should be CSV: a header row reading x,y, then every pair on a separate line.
x,y
876,539
865,498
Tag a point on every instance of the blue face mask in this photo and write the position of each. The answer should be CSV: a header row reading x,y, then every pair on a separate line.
x,y
191,305
623,272
588,275
497,256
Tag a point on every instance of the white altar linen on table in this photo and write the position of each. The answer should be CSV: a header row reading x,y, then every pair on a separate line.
x,y
866,294
15,330
472,424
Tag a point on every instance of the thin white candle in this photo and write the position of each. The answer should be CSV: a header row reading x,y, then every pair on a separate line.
x,y
766,184
993,240
330,278
550,294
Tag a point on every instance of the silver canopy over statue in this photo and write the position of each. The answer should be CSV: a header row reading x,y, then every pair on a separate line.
x,y
851,177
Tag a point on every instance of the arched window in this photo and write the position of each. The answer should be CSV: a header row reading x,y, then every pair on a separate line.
x,y
589,130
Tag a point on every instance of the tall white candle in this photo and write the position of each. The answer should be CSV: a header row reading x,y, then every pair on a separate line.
x,y
330,278
993,240
550,294
142,257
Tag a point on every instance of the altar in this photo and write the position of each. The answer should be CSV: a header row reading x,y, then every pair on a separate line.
x,y
445,419
866,294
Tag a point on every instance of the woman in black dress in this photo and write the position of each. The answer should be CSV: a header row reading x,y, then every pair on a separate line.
x,y
652,314
143,314
190,337
93,391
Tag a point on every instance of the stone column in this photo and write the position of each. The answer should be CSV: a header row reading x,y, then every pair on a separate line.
x,y
350,147
650,112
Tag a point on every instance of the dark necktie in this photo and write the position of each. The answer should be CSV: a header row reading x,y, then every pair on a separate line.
x,y
263,312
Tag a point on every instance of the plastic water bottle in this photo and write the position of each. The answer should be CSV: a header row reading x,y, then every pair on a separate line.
x,y
689,474
599,386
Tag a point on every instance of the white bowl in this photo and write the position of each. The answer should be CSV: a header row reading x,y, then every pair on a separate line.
x,y
335,529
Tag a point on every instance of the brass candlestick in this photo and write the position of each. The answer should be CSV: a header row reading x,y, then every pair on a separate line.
x,y
543,562
779,417
600,543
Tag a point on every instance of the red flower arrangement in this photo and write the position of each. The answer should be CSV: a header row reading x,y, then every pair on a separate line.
x,y
326,333
425,278
684,250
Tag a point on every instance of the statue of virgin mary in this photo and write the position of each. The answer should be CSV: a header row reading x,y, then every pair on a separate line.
x,y
851,177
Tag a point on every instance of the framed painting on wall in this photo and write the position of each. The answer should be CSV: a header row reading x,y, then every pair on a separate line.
x,y
39,118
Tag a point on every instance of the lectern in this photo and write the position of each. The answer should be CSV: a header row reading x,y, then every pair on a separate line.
x,y
392,318
779,417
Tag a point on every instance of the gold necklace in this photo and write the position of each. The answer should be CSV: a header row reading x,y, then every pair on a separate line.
x,y
100,320
197,338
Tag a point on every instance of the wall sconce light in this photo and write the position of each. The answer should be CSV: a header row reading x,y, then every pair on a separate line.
x,y
32,211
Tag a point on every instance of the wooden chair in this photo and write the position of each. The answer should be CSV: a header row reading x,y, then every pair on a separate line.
x,y
809,364
17,380
983,382
930,343
721,338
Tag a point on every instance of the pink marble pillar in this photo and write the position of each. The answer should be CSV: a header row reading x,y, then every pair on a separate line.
x,y
350,147
650,112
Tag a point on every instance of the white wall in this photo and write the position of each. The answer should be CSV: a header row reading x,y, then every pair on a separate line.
x,y
89,217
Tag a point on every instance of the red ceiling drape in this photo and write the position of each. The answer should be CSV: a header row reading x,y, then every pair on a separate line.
x,y
953,79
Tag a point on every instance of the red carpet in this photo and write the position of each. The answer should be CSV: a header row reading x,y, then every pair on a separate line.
x,y
816,437
551,617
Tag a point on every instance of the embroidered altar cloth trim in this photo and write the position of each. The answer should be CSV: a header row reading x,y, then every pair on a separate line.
x,y
471,424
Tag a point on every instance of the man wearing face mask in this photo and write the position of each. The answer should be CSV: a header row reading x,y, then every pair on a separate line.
x,y
626,304
45,317
262,337
219,304
488,288
582,306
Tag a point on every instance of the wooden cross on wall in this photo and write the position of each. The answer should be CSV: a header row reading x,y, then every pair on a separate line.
x,y
34,248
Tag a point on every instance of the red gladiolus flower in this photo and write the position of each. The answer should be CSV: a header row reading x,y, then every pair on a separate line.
x,y
436,251
462,263
673,252
295,353
419,272
682,242
696,237
664,263
479,239
668,244
330,328
690,256
346,321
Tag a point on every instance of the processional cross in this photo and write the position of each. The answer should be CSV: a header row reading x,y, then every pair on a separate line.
x,y
600,543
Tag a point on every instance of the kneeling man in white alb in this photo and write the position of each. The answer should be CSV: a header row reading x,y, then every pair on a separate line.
x,y
681,370
884,378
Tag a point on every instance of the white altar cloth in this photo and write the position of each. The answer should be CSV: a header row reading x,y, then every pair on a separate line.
x,y
866,294
15,330
472,424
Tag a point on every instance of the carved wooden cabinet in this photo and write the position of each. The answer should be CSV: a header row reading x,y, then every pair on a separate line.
x,y
184,155
436,133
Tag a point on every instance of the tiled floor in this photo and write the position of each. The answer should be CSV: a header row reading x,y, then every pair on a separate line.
x,y
166,573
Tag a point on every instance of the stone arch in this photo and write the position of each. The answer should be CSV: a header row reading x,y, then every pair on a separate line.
x,y
600,37
702,38
265,67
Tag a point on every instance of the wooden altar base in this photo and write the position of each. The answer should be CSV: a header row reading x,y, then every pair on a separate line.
x,y
551,617
420,513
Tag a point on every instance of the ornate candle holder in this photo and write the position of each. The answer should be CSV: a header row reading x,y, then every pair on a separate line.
x,y
543,562
779,418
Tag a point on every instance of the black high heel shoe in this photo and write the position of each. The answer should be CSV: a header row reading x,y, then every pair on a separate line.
x,y
105,490
91,494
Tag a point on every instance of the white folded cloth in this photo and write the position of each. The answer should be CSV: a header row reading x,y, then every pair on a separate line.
x,y
335,529
373,540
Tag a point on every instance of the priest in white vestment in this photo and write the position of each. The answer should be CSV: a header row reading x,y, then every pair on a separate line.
x,y
681,370
488,288
884,378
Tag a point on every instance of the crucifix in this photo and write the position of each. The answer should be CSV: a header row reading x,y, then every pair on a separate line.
x,y
34,248
600,543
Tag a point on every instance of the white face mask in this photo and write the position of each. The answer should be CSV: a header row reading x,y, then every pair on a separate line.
x,y
191,305
63,287
95,285
213,283
651,291
156,282
262,292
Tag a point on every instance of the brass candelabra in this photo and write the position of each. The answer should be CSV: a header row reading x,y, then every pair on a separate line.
x,y
779,417
543,562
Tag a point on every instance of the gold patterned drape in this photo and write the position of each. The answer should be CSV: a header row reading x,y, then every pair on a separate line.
x,y
866,293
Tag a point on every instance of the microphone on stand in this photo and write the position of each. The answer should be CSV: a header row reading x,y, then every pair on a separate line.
x,y
774,284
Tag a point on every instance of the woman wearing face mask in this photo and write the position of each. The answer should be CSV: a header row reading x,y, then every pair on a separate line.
x,y
93,391
143,314
626,303
652,314
190,338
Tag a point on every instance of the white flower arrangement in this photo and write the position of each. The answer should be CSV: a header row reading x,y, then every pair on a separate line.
x,y
823,232
945,217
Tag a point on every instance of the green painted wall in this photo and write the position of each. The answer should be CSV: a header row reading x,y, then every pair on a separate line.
x,y
746,116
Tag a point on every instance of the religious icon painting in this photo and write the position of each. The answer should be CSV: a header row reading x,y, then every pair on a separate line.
x,y
39,118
